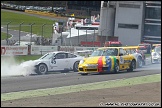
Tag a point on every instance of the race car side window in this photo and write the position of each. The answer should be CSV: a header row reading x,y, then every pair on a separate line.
x,y
122,52
60,56
133,51
115,52
128,51
71,56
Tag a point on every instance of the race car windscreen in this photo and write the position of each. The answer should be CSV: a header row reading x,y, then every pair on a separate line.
x,y
47,56
115,45
105,52
157,49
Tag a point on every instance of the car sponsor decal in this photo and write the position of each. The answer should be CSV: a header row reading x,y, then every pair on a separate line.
x,y
121,60
113,62
108,62
53,61
100,64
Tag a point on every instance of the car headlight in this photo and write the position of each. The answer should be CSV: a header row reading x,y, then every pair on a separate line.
x,y
81,61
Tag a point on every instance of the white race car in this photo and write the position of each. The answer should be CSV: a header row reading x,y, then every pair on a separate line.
x,y
55,61
156,55
139,59
84,53
137,54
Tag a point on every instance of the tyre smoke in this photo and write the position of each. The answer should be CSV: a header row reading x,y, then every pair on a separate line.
x,y
11,67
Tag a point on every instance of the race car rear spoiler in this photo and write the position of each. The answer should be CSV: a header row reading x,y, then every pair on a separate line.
x,y
131,47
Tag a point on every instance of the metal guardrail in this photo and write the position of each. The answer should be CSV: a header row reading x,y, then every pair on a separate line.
x,y
46,29
36,42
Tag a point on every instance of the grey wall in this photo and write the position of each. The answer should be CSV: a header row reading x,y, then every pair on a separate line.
x,y
74,40
129,15
107,18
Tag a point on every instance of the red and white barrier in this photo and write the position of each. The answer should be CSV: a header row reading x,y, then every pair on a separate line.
x,y
38,50
14,50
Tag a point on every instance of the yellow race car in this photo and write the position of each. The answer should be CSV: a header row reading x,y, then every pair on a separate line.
x,y
107,59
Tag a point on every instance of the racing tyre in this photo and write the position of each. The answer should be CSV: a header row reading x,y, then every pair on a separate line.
x,y
140,62
132,66
116,68
84,73
41,69
75,66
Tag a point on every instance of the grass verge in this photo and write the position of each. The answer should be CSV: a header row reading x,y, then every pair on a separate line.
x,y
23,57
16,19
4,36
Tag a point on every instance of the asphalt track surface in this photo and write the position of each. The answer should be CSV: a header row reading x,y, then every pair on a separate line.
x,y
14,33
21,83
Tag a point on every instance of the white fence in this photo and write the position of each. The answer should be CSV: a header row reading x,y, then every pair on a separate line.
x,y
39,50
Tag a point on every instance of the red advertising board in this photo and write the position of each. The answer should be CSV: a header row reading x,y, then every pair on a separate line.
x,y
14,50
90,43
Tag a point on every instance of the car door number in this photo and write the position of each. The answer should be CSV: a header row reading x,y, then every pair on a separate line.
x,y
121,60
53,61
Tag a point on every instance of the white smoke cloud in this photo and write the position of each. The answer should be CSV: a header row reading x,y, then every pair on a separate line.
x,y
11,67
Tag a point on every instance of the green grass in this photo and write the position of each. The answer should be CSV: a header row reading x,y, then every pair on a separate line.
x,y
23,58
16,19
28,57
33,57
4,36
147,55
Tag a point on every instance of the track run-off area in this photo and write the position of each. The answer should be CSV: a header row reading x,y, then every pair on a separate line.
x,y
17,87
